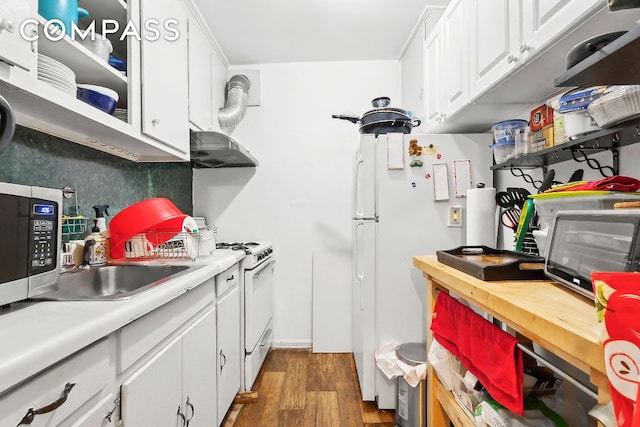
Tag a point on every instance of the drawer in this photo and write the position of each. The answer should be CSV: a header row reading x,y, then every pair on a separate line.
x,y
87,370
138,338
96,414
227,280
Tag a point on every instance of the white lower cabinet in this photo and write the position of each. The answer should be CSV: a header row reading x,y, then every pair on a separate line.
x,y
228,352
177,386
56,393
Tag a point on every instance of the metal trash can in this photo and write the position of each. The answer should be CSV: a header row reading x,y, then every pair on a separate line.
x,y
411,407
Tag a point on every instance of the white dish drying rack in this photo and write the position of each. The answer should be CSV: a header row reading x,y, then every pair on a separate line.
x,y
163,244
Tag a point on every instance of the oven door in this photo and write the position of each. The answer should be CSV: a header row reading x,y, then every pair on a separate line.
x,y
258,302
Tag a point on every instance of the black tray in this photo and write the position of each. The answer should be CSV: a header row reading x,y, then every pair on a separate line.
x,y
486,263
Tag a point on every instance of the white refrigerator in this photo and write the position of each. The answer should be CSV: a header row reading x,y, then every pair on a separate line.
x,y
395,217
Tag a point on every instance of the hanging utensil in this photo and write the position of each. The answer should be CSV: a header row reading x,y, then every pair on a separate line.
x,y
512,197
547,181
510,218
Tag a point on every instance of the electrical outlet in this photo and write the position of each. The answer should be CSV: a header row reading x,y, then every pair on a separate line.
x,y
455,216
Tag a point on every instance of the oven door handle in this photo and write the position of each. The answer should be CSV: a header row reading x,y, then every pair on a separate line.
x,y
265,339
262,270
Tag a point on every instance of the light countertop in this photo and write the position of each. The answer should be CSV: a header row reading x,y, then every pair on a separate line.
x,y
37,334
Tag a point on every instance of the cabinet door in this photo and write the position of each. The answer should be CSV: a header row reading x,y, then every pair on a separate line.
x,y
199,371
14,49
545,20
165,85
228,324
433,85
152,395
200,83
495,41
455,57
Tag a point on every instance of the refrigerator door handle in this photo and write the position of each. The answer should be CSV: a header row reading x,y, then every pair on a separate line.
x,y
356,186
356,252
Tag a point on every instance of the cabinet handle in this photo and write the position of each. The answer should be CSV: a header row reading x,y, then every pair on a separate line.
x,y
155,122
31,413
524,47
182,417
512,58
193,410
230,278
223,360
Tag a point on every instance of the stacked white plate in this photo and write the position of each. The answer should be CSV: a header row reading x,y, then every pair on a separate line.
x,y
57,75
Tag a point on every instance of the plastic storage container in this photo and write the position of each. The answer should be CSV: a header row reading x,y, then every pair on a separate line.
x,y
503,151
411,407
505,131
622,103
548,204
578,123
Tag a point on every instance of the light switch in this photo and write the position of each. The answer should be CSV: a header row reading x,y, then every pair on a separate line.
x,y
455,216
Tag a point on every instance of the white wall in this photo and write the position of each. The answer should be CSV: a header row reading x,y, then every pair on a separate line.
x,y
299,197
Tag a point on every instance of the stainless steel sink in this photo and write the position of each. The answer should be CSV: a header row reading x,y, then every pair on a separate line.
x,y
113,282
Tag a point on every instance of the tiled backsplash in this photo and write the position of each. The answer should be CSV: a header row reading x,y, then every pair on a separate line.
x,y
35,158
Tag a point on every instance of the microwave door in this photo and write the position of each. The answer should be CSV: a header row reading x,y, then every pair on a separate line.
x,y
14,229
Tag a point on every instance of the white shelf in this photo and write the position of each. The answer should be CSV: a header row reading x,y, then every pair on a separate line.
x,y
100,10
89,69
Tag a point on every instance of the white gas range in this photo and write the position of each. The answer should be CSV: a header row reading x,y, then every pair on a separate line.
x,y
256,305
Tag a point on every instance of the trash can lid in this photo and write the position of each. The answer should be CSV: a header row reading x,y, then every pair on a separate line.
x,y
412,352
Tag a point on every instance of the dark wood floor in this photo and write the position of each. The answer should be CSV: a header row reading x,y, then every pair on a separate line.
x,y
300,388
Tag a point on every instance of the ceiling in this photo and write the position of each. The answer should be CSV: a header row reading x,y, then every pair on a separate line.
x,y
259,31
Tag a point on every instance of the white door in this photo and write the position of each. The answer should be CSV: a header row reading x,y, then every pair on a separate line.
x,y
199,371
495,42
200,82
152,395
545,20
433,78
14,49
363,321
364,179
228,351
165,87
455,56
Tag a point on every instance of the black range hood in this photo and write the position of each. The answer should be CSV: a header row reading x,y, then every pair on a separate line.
x,y
217,150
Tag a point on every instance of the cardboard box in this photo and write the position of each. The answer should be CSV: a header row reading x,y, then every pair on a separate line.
x,y
540,117
542,138
559,135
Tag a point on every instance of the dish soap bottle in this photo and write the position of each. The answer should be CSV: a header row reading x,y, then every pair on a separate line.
x,y
96,246
101,210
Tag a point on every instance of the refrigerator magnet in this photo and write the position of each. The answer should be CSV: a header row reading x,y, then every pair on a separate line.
x,y
415,152
462,177
440,182
395,151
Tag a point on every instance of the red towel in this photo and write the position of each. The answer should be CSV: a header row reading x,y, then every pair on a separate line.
x,y
485,350
612,183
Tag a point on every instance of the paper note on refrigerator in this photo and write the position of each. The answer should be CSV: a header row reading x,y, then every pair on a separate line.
x,y
440,182
462,177
395,151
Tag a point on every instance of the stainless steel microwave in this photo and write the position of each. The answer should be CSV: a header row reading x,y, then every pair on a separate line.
x,y
30,235
592,240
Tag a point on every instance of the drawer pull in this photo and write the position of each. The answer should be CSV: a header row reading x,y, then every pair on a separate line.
x,y
31,413
230,278
182,417
116,405
193,411
223,360
264,341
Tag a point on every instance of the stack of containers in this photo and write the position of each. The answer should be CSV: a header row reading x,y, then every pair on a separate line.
x,y
616,105
505,135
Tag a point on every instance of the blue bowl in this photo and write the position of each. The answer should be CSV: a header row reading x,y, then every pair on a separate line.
x,y
98,100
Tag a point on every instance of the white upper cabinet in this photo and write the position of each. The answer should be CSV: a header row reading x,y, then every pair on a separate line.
x,y
165,87
544,20
432,85
200,82
455,57
495,41
14,49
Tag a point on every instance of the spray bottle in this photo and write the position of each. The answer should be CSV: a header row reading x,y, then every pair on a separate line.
x,y
101,210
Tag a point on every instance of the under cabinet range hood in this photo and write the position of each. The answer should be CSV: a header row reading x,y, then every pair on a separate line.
x,y
217,150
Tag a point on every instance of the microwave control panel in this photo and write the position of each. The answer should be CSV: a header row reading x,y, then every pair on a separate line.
x,y
43,235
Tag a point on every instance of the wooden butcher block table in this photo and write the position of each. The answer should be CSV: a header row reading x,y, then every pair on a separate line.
x,y
561,321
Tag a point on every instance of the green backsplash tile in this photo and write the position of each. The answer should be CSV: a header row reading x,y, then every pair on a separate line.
x,y
35,158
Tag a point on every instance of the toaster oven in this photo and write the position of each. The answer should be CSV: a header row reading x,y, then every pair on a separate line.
x,y
594,240
30,235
